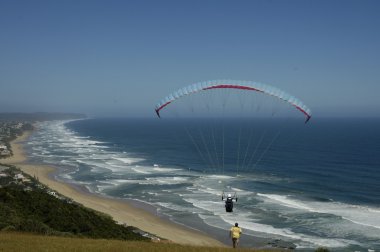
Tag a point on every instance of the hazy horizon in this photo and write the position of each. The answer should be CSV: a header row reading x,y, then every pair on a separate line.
x,y
119,58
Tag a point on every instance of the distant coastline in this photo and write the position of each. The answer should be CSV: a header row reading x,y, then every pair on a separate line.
x,y
39,116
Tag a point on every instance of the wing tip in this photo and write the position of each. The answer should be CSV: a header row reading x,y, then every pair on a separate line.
x,y
158,113
308,118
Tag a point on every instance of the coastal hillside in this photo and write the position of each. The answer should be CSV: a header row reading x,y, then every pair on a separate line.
x,y
28,206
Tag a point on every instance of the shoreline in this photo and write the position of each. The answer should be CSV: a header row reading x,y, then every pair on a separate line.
x,y
121,211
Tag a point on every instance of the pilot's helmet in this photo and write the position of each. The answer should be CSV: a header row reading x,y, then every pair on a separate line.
x,y
229,195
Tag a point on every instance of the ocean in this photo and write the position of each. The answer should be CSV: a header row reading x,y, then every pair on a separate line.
x,y
311,185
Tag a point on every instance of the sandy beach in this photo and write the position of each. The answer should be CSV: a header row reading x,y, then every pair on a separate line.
x,y
120,210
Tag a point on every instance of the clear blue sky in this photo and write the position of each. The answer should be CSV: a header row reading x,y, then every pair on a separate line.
x,y
122,57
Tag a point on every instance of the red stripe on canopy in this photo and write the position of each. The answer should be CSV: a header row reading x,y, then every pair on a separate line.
x,y
233,86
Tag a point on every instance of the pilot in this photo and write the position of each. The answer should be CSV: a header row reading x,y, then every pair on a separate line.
x,y
229,204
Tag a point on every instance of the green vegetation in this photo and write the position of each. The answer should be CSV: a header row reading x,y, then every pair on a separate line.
x,y
27,206
19,242
39,212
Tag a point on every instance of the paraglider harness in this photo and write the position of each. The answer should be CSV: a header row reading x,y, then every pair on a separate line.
x,y
229,205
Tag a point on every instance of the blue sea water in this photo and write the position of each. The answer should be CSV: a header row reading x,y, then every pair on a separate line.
x,y
312,185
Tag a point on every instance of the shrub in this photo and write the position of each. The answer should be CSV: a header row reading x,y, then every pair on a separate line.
x,y
322,249
38,212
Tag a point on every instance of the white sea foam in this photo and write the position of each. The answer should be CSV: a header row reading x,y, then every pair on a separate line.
x,y
127,160
207,205
140,170
209,190
218,177
69,163
285,201
160,169
115,167
66,176
356,214
237,189
112,183
177,207
94,165
167,180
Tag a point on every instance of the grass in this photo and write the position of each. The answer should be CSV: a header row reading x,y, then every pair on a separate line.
x,y
11,241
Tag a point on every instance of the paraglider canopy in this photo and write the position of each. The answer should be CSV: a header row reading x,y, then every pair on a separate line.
x,y
232,84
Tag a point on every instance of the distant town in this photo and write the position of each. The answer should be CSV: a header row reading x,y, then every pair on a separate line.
x,y
13,125
10,176
8,132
